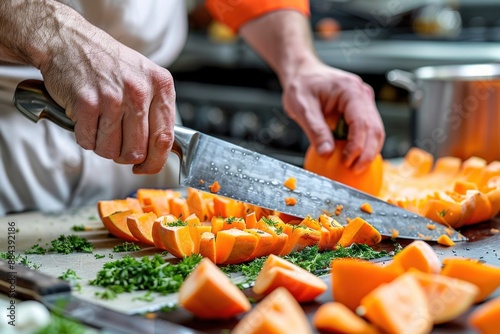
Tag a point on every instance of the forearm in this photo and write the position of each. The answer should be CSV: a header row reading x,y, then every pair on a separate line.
x,y
283,39
31,30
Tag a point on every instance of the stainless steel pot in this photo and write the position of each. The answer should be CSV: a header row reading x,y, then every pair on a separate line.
x,y
456,109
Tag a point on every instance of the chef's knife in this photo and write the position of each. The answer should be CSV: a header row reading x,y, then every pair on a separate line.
x,y
20,282
254,178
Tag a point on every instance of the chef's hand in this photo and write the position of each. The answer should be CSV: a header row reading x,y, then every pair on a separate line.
x,y
316,93
123,105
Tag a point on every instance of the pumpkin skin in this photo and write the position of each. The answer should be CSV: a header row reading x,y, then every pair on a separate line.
x,y
332,167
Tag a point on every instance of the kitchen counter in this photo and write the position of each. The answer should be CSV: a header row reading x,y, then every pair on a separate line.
x,y
40,228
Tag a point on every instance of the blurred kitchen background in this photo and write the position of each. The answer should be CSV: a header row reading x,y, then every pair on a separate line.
x,y
224,89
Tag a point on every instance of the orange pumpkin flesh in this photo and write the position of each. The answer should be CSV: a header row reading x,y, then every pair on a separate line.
x,y
141,226
277,313
418,255
209,294
278,272
333,167
116,224
485,318
333,317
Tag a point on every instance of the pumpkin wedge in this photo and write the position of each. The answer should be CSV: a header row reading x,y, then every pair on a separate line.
x,y
278,272
277,313
264,245
486,277
116,224
178,207
335,229
227,207
400,306
207,246
209,294
155,200
448,297
234,246
299,237
419,255
359,231
352,279
333,317
174,235
141,226
106,208
485,318
198,205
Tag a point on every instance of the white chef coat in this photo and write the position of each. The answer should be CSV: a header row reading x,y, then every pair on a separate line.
x,y
41,165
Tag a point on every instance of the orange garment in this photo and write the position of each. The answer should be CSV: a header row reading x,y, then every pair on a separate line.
x,y
234,13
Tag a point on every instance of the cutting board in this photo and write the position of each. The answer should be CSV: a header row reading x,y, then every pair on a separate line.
x,y
41,228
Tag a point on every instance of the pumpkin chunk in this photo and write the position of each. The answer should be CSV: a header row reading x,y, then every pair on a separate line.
x,y
207,246
209,294
234,246
400,306
277,313
418,255
337,318
359,231
366,207
141,226
445,240
214,187
116,224
352,279
290,201
173,235
106,208
485,277
278,272
485,318
290,183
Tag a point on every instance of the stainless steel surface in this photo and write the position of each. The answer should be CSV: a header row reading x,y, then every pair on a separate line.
x,y
257,179
457,109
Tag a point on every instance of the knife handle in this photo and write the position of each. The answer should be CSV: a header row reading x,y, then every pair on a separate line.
x,y
18,281
32,99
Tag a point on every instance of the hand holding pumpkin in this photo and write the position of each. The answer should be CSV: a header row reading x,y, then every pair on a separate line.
x,y
317,94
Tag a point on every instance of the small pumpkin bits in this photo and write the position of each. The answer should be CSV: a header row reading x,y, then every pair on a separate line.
x,y
209,294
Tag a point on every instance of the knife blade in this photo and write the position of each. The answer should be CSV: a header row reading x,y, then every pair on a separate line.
x,y
255,178
20,282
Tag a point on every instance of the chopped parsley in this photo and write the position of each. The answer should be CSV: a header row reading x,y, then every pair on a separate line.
x,y
146,298
69,275
35,249
20,259
78,228
70,244
126,247
442,213
310,258
178,222
99,256
147,273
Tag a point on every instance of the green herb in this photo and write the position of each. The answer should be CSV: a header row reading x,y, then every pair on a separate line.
x,y
442,213
279,230
20,259
35,249
18,230
147,273
107,294
77,287
126,247
231,220
72,243
99,256
60,325
92,217
69,275
310,258
146,298
111,256
169,308
78,228
268,221
178,222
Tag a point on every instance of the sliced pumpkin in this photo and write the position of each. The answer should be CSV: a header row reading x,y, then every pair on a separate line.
x,y
174,235
486,277
141,226
209,294
400,306
485,318
278,272
352,279
106,208
207,246
277,313
359,231
227,207
264,245
419,255
234,246
116,224
335,317
448,297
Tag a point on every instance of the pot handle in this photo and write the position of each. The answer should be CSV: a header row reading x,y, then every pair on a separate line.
x,y
402,79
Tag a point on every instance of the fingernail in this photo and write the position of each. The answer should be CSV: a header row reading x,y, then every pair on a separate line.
x,y
325,148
